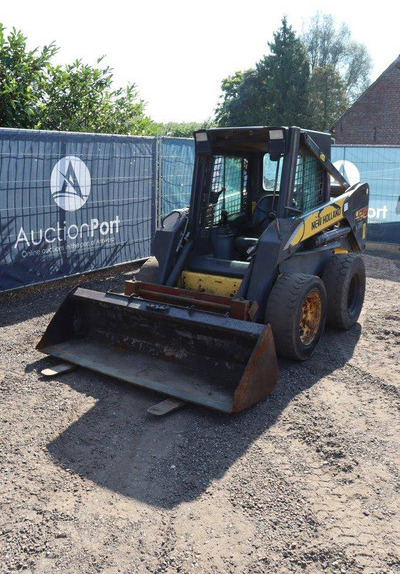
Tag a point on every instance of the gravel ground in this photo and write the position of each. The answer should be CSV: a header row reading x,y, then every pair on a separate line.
x,y
303,482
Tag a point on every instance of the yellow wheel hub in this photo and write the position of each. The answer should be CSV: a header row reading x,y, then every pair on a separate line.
x,y
310,318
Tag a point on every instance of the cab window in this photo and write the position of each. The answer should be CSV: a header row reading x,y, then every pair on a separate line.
x,y
272,171
229,185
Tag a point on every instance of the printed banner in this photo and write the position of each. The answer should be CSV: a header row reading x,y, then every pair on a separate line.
x,y
72,203
380,168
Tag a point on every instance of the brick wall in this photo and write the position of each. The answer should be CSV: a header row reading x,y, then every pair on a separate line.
x,y
374,118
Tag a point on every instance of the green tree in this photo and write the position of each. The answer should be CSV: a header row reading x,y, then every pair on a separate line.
x,y
285,73
275,91
181,129
330,45
244,102
308,81
23,77
327,97
34,93
78,97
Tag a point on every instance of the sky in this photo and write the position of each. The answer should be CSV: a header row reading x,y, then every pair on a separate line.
x,y
178,52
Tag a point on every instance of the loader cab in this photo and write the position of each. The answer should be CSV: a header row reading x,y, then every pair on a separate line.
x,y
246,182
244,179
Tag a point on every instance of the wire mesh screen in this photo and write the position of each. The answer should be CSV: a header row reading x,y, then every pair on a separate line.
x,y
229,180
176,159
308,185
71,203
380,168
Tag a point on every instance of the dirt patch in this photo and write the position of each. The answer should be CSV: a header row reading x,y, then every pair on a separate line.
x,y
303,482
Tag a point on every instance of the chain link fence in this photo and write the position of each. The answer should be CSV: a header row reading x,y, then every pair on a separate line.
x,y
72,203
377,165
175,164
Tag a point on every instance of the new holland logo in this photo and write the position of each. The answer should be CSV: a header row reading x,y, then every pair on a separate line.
x,y
70,183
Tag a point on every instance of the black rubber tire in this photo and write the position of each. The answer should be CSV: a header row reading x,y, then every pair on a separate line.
x,y
148,271
344,279
284,313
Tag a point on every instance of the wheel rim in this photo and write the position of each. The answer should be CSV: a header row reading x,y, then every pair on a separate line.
x,y
310,318
354,294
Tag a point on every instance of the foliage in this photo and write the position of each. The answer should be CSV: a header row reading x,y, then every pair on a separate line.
x,y
76,97
181,129
330,45
23,76
79,97
327,97
275,92
243,100
285,73
308,81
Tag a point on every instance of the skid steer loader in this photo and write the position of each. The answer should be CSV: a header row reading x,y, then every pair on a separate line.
x,y
266,253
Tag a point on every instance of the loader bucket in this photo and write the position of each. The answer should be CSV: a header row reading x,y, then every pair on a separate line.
x,y
197,356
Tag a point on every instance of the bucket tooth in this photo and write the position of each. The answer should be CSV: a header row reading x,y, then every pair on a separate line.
x,y
165,407
59,369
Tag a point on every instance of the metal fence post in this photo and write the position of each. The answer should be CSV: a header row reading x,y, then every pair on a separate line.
x,y
159,188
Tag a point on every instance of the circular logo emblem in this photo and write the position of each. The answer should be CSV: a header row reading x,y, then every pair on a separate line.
x,y
348,170
70,183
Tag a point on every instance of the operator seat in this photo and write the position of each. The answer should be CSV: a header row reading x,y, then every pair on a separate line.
x,y
260,220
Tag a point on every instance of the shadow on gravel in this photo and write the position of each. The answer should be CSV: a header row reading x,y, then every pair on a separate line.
x,y
164,462
30,302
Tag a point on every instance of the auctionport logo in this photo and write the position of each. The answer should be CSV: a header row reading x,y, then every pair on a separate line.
x,y
70,183
349,170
